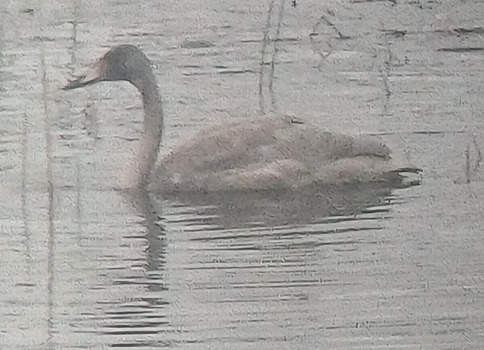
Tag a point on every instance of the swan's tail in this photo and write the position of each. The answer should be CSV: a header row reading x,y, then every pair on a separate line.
x,y
407,176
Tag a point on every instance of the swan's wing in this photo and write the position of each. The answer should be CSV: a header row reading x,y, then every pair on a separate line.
x,y
315,147
225,146
262,140
343,146
266,148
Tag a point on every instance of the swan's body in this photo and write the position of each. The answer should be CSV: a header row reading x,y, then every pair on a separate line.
x,y
272,152
267,152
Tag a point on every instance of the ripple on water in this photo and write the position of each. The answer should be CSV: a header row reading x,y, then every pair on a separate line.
x,y
247,267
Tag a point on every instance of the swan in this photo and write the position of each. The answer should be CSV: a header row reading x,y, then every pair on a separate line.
x,y
263,153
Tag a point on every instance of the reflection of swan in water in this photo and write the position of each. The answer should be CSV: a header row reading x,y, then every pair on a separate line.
x,y
270,152
309,205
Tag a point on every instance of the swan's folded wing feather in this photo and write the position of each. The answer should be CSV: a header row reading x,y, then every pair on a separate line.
x,y
223,146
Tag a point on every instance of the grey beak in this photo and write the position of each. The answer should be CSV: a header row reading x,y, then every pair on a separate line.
x,y
90,77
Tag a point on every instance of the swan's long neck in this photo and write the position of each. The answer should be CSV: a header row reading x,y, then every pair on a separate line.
x,y
149,145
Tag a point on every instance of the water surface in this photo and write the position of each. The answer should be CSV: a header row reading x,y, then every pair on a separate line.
x,y
85,266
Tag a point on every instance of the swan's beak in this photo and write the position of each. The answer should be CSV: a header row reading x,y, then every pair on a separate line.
x,y
91,76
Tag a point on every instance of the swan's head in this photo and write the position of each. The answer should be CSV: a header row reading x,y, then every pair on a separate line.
x,y
123,62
